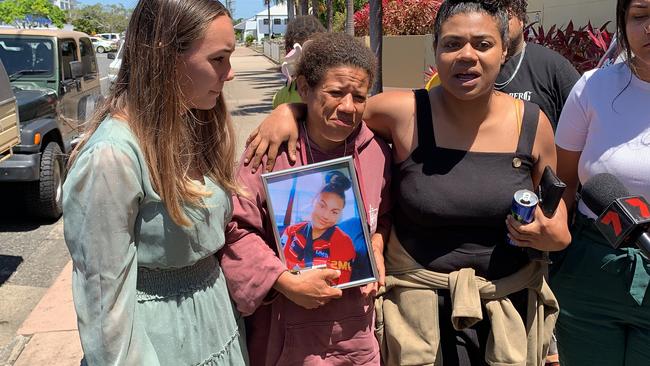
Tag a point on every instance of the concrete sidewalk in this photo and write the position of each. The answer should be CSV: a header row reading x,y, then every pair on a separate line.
x,y
49,335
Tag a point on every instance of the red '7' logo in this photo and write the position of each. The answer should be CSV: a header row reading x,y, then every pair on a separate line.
x,y
636,202
612,219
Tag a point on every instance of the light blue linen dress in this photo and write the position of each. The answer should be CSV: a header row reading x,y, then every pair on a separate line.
x,y
146,291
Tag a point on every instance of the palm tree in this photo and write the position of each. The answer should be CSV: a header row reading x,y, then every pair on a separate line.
x,y
315,7
304,7
349,17
290,8
330,14
376,37
268,9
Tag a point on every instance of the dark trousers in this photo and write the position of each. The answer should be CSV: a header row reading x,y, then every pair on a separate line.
x,y
467,347
600,322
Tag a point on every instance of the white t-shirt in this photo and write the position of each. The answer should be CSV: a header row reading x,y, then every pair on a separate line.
x,y
607,117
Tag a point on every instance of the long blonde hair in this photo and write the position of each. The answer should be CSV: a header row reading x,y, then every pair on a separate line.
x,y
172,137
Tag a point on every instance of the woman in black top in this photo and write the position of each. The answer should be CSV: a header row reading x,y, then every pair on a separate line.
x,y
462,150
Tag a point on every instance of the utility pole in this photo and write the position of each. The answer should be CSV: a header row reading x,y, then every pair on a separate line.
x,y
230,5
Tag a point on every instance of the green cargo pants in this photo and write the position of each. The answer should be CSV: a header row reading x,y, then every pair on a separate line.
x,y
604,311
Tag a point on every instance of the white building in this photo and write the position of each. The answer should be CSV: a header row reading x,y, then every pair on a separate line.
x,y
279,20
63,4
247,27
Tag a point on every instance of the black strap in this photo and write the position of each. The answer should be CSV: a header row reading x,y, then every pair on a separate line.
x,y
424,118
528,129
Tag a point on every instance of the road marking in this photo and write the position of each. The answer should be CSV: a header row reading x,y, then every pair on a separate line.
x,y
104,78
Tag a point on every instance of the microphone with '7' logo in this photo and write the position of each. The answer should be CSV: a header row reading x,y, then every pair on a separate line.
x,y
624,220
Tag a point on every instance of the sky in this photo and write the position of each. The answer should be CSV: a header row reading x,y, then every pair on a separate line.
x,y
243,8
247,8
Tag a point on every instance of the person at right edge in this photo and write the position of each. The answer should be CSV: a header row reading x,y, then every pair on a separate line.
x,y
605,128
455,293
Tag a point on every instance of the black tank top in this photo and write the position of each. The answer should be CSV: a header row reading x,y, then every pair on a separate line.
x,y
452,204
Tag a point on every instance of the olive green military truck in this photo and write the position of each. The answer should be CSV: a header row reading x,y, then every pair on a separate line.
x,y
55,81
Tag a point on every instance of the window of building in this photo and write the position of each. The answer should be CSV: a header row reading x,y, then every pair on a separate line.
x,y
266,21
286,21
277,21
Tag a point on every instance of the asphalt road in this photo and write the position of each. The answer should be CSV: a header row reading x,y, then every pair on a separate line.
x,y
32,254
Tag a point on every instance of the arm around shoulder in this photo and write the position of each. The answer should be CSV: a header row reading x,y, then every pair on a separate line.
x,y
387,113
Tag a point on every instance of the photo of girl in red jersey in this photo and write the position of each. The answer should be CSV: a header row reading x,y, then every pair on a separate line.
x,y
319,242
320,220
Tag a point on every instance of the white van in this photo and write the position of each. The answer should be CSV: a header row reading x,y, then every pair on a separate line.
x,y
114,67
110,36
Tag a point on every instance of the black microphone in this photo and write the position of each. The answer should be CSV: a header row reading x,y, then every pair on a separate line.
x,y
624,219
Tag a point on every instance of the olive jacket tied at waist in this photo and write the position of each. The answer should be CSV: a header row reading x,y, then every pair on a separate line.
x,y
407,323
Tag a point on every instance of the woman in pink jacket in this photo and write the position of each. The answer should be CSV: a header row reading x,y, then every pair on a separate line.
x,y
301,319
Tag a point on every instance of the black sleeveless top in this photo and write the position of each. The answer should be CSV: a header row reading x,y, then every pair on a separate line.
x,y
451,205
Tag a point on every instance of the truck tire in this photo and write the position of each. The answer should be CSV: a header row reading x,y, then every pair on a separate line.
x,y
44,199
100,49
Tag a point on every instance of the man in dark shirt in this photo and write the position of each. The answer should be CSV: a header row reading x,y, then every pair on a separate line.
x,y
536,74
533,72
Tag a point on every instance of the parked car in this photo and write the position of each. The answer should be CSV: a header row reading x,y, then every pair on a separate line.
x,y
9,128
55,79
102,45
115,65
110,37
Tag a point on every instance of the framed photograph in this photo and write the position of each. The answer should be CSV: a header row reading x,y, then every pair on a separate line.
x,y
319,220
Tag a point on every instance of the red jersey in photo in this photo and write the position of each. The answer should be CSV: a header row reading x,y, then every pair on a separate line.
x,y
333,248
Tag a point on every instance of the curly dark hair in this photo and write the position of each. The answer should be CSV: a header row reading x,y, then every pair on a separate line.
x,y
337,183
495,8
329,50
516,8
301,29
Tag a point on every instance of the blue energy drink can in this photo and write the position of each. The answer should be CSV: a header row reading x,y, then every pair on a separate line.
x,y
523,207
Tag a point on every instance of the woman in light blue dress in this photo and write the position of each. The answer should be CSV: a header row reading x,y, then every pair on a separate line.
x,y
147,197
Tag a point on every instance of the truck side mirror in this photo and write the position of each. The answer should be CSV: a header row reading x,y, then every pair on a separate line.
x,y
76,69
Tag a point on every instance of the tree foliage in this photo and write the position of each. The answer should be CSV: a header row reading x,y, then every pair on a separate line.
x,y
31,13
401,17
100,18
338,13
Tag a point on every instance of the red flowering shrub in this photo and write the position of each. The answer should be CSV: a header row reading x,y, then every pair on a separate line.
x,y
401,17
583,47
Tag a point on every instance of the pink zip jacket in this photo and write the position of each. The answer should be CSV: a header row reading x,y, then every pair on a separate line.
x,y
280,332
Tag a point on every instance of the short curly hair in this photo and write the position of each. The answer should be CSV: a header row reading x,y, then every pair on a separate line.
x,y
495,8
329,50
516,8
301,29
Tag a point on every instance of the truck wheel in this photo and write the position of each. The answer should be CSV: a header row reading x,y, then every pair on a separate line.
x,y
100,49
44,200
